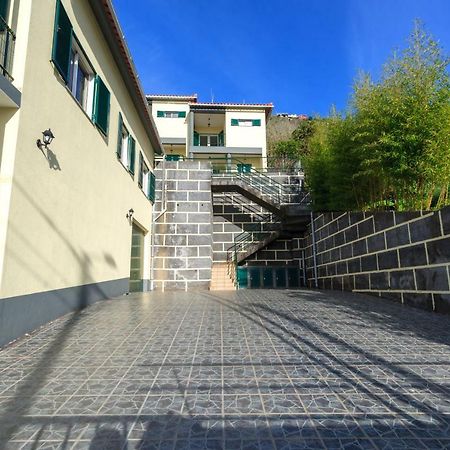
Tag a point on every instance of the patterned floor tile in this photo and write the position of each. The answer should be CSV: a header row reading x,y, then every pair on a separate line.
x,y
247,369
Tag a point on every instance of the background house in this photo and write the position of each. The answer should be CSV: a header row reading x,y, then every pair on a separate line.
x,y
211,130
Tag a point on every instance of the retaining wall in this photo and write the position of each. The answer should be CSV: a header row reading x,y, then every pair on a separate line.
x,y
183,234
401,256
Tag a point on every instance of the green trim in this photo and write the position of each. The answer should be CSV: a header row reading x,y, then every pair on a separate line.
x,y
4,7
256,122
172,157
141,172
101,105
221,139
182,114
119,137
196,139
131,154
151,187
160,114
62,41
234,122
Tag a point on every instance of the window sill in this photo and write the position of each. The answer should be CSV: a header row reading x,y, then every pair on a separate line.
x,y
124,167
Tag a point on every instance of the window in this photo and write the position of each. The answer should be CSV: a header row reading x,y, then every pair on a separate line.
x,y
209,140
146,179
245,122
171,114
102,97
126,147
71,62
81,78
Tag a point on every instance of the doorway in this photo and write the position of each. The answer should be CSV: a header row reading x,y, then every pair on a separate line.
x,y
137,259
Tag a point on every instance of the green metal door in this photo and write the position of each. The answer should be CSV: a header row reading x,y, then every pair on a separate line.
x,y
137,260
268,278
255,277
242,278
293,277
280,278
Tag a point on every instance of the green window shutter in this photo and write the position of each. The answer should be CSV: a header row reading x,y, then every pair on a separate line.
x,y
131,154
256,122
119,137
234,122
141,173
182,114
101,105
160,114
4,6
62,41
151,186
196,139
221,139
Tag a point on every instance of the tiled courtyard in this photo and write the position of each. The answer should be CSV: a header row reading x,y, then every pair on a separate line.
x,y
247,369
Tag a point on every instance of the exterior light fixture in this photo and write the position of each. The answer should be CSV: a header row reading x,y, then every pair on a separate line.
x,y
47,138
129,215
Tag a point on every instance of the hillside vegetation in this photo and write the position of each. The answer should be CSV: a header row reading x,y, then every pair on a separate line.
x,y
390,149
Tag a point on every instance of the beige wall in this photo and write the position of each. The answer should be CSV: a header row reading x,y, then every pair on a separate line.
x,y
66,223
246,136
170,127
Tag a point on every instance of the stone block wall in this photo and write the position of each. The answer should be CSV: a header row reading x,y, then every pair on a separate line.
x,y
183,234
277,253
401,256
233,214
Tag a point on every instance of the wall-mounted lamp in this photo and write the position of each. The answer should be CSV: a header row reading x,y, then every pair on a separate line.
x,y
47,138
129,215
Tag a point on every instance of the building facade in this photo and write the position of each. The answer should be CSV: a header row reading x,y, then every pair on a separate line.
x,y
75,215
233,131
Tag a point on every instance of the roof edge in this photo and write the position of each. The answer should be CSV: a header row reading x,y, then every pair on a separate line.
x,y
188,98
110,27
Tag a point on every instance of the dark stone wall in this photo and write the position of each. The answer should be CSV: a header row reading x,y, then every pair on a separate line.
x,y
404,256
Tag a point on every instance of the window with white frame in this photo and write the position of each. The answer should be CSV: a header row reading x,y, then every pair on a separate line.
x,y
171,114
81,78
245,122
126,147
146,179
209,140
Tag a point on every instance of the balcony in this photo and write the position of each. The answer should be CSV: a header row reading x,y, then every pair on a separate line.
x,y
10,96
7,42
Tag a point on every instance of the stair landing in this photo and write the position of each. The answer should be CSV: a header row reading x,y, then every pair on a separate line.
x,y
220,280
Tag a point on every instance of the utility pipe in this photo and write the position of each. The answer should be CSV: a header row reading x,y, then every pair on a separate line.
x,y
313,242
163,211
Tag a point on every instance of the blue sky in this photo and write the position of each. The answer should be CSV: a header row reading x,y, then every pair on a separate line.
x,y
302,55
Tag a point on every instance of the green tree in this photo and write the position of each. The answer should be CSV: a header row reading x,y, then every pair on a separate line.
x,y
392,148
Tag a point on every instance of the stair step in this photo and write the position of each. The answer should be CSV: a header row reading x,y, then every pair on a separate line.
x,y
220,280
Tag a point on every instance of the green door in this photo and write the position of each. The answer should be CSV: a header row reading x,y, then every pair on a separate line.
x,y
280,278
294,277
255,277
242,278
268,278
137,260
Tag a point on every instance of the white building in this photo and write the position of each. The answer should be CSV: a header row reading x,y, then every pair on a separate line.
x,y
197,130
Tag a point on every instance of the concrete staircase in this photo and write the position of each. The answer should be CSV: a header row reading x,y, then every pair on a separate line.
x,y
220,280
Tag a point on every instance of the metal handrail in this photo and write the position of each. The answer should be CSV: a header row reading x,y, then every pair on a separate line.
x,y
241,243
7,43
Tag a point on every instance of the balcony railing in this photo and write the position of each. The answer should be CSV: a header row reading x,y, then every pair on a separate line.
x,y
7,42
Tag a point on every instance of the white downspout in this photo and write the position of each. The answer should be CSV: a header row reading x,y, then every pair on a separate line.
x,y
163,211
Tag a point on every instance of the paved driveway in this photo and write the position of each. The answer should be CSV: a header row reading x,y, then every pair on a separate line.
x,y
248,369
